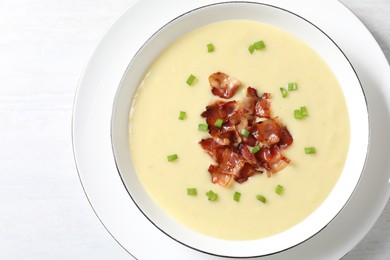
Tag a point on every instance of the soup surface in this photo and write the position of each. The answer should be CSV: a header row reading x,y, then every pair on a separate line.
x,y
156,132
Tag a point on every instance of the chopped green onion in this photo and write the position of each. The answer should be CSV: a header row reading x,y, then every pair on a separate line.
x,y
172,157
261,198
310,150
304,111
182,115
237,196
218,122
301,113
284,92
192,191
245,132
255,149
279,189
203,127
292,86
211,195
190,80
251,48
259,45
210,47
256,46
298,114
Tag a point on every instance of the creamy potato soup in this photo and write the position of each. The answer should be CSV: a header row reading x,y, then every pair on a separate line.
x,y
155,130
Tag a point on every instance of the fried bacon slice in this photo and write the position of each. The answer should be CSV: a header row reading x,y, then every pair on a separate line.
x,y
222,110
232,163
219,178
245,123
230,112
247,155
272,159
238,164
225,135
251,164
246,172
223,85
285,138
259,106
213,148
267,132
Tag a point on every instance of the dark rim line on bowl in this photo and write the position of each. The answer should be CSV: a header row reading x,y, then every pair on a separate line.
x,y
181,242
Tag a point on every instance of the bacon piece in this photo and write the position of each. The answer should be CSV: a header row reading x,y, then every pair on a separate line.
x,y
270,132
230,112
239,164
223,85
232,163
285,138
251,164
221,110
246,172
250,140
247,155
272,159
213,148
225,135
267,132
260,106
246,124
219,178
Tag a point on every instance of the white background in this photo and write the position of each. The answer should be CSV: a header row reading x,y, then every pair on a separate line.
x,y
44,45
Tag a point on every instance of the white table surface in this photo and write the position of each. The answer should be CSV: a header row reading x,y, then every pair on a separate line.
x,y
44,45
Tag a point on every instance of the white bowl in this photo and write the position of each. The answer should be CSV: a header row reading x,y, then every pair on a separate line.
x,y
333,56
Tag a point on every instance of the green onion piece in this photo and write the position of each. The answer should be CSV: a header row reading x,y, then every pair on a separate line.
x,y
301,113
251,48
182,115
284,92
310,150
192,191
203,127
172,157
298,114
279,189
255,149
210,47
237,196
211,195
259,45
190,80
304,111
261,198
245,132
218,123
292,86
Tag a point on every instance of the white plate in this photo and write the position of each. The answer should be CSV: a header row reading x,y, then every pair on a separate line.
x,y
92,142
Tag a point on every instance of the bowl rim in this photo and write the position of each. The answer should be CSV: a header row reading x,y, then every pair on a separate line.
x,y
151,38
